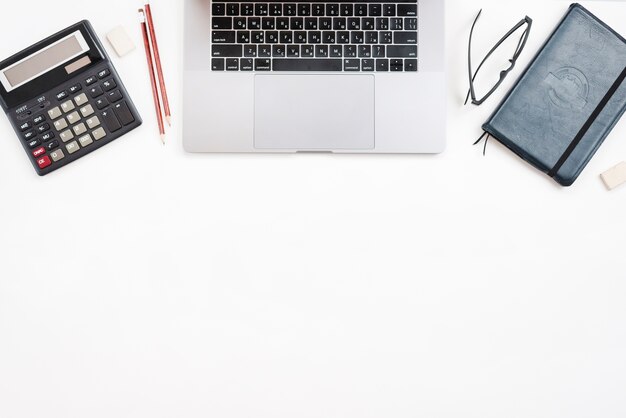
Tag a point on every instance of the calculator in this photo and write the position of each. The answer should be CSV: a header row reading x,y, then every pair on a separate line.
x,y
64,98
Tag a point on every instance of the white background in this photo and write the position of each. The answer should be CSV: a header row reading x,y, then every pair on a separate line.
x,y
145,282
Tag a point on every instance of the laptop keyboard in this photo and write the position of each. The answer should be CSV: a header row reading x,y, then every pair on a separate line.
x,y
299,36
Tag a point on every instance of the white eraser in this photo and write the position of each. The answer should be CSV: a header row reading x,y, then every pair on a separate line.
x,y
615,177
120,41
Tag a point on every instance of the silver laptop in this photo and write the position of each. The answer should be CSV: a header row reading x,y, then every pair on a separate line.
x,y
294,76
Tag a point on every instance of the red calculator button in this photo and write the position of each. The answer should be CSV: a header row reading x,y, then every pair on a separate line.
x,y
39,152
44,162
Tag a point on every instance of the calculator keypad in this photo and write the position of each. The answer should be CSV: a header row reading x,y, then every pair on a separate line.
x,y
84,114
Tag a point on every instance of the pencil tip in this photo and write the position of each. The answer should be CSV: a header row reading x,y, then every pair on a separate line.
x,y
169,120
163,139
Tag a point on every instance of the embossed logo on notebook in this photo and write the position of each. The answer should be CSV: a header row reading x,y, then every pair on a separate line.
x,y
568,88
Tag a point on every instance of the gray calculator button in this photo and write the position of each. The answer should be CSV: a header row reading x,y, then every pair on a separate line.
x,y
54,113
98,134
93,122
66,135
80,129
68,106
57,155
73,118
60,124
72,147
81,99
85,140
87,110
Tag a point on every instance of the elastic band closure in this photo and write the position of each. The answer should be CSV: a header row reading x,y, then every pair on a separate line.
x,y
583,131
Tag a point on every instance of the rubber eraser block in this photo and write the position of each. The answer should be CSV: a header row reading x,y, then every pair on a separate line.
x,y
120,41
615,177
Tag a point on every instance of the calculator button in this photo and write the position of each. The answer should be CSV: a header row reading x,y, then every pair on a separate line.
x,y
54,113
111,121
109,85
101,103
44,162
98,134
72,147
68,106
104,73
93,122
66,135
47,136
124,114
62,95
57,155
73,118
96,91
81,99
114,96
39,152
87,110
43,128
25,126
29,135
76,88
39,119
60,124
52,145
80,129
34,144
85,140
91,80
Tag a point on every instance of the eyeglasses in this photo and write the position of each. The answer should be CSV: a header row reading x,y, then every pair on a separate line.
x,y
528,22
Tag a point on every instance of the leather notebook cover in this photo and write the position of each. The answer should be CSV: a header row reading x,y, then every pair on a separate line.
x,y
568,99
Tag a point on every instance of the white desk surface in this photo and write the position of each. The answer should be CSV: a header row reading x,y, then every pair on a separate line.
x,y
146,282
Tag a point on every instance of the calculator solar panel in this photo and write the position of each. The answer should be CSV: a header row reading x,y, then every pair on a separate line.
x,y
365,36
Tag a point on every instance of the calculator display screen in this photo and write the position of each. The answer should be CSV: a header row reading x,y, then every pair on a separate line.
x,y
43,61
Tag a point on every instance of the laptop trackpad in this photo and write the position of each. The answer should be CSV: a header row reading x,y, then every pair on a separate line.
x,y
314,112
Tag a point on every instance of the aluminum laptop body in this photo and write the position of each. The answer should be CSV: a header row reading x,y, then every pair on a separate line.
x,y
292,76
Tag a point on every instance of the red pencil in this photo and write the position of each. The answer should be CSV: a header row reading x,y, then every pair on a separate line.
x,y
157,60
155,92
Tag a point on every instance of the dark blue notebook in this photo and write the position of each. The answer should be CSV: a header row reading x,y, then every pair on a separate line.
x,y
568,100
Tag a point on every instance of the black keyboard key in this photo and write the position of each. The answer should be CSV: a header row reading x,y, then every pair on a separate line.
x,y
309,64
396,23
282,23
293,51
346,9
339,23
405,38
101,74
77,87
254,23
39,119
63,95
368,23
375,10
325,23
360,10
217,64
385,37
299,37
307,51
349,51
243,37
247,9
111,121
365,51
297,23
262,64
286,37
102,102
354,23
52,145
124,114
407,9
34,143
249,51
29,135
268,23
264,51
25,126
222,23
367,65
382,65
261,9
318,9
321,51
328,37
410,65
89,81
289,9
357,37
310,23
43,128
240,23
223,37
371,37
219,9
403,51
235,51
382,23
332,9
343,37
378,51
258,37
109,85
351,65
396,65
389,10
95,91
278,50
246,64
410,23
114,96
315,37
335,51
232,64
271,37
276,9
48,136
232,9
304,9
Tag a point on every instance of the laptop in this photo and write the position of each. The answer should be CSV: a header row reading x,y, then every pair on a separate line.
x,y
311,76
